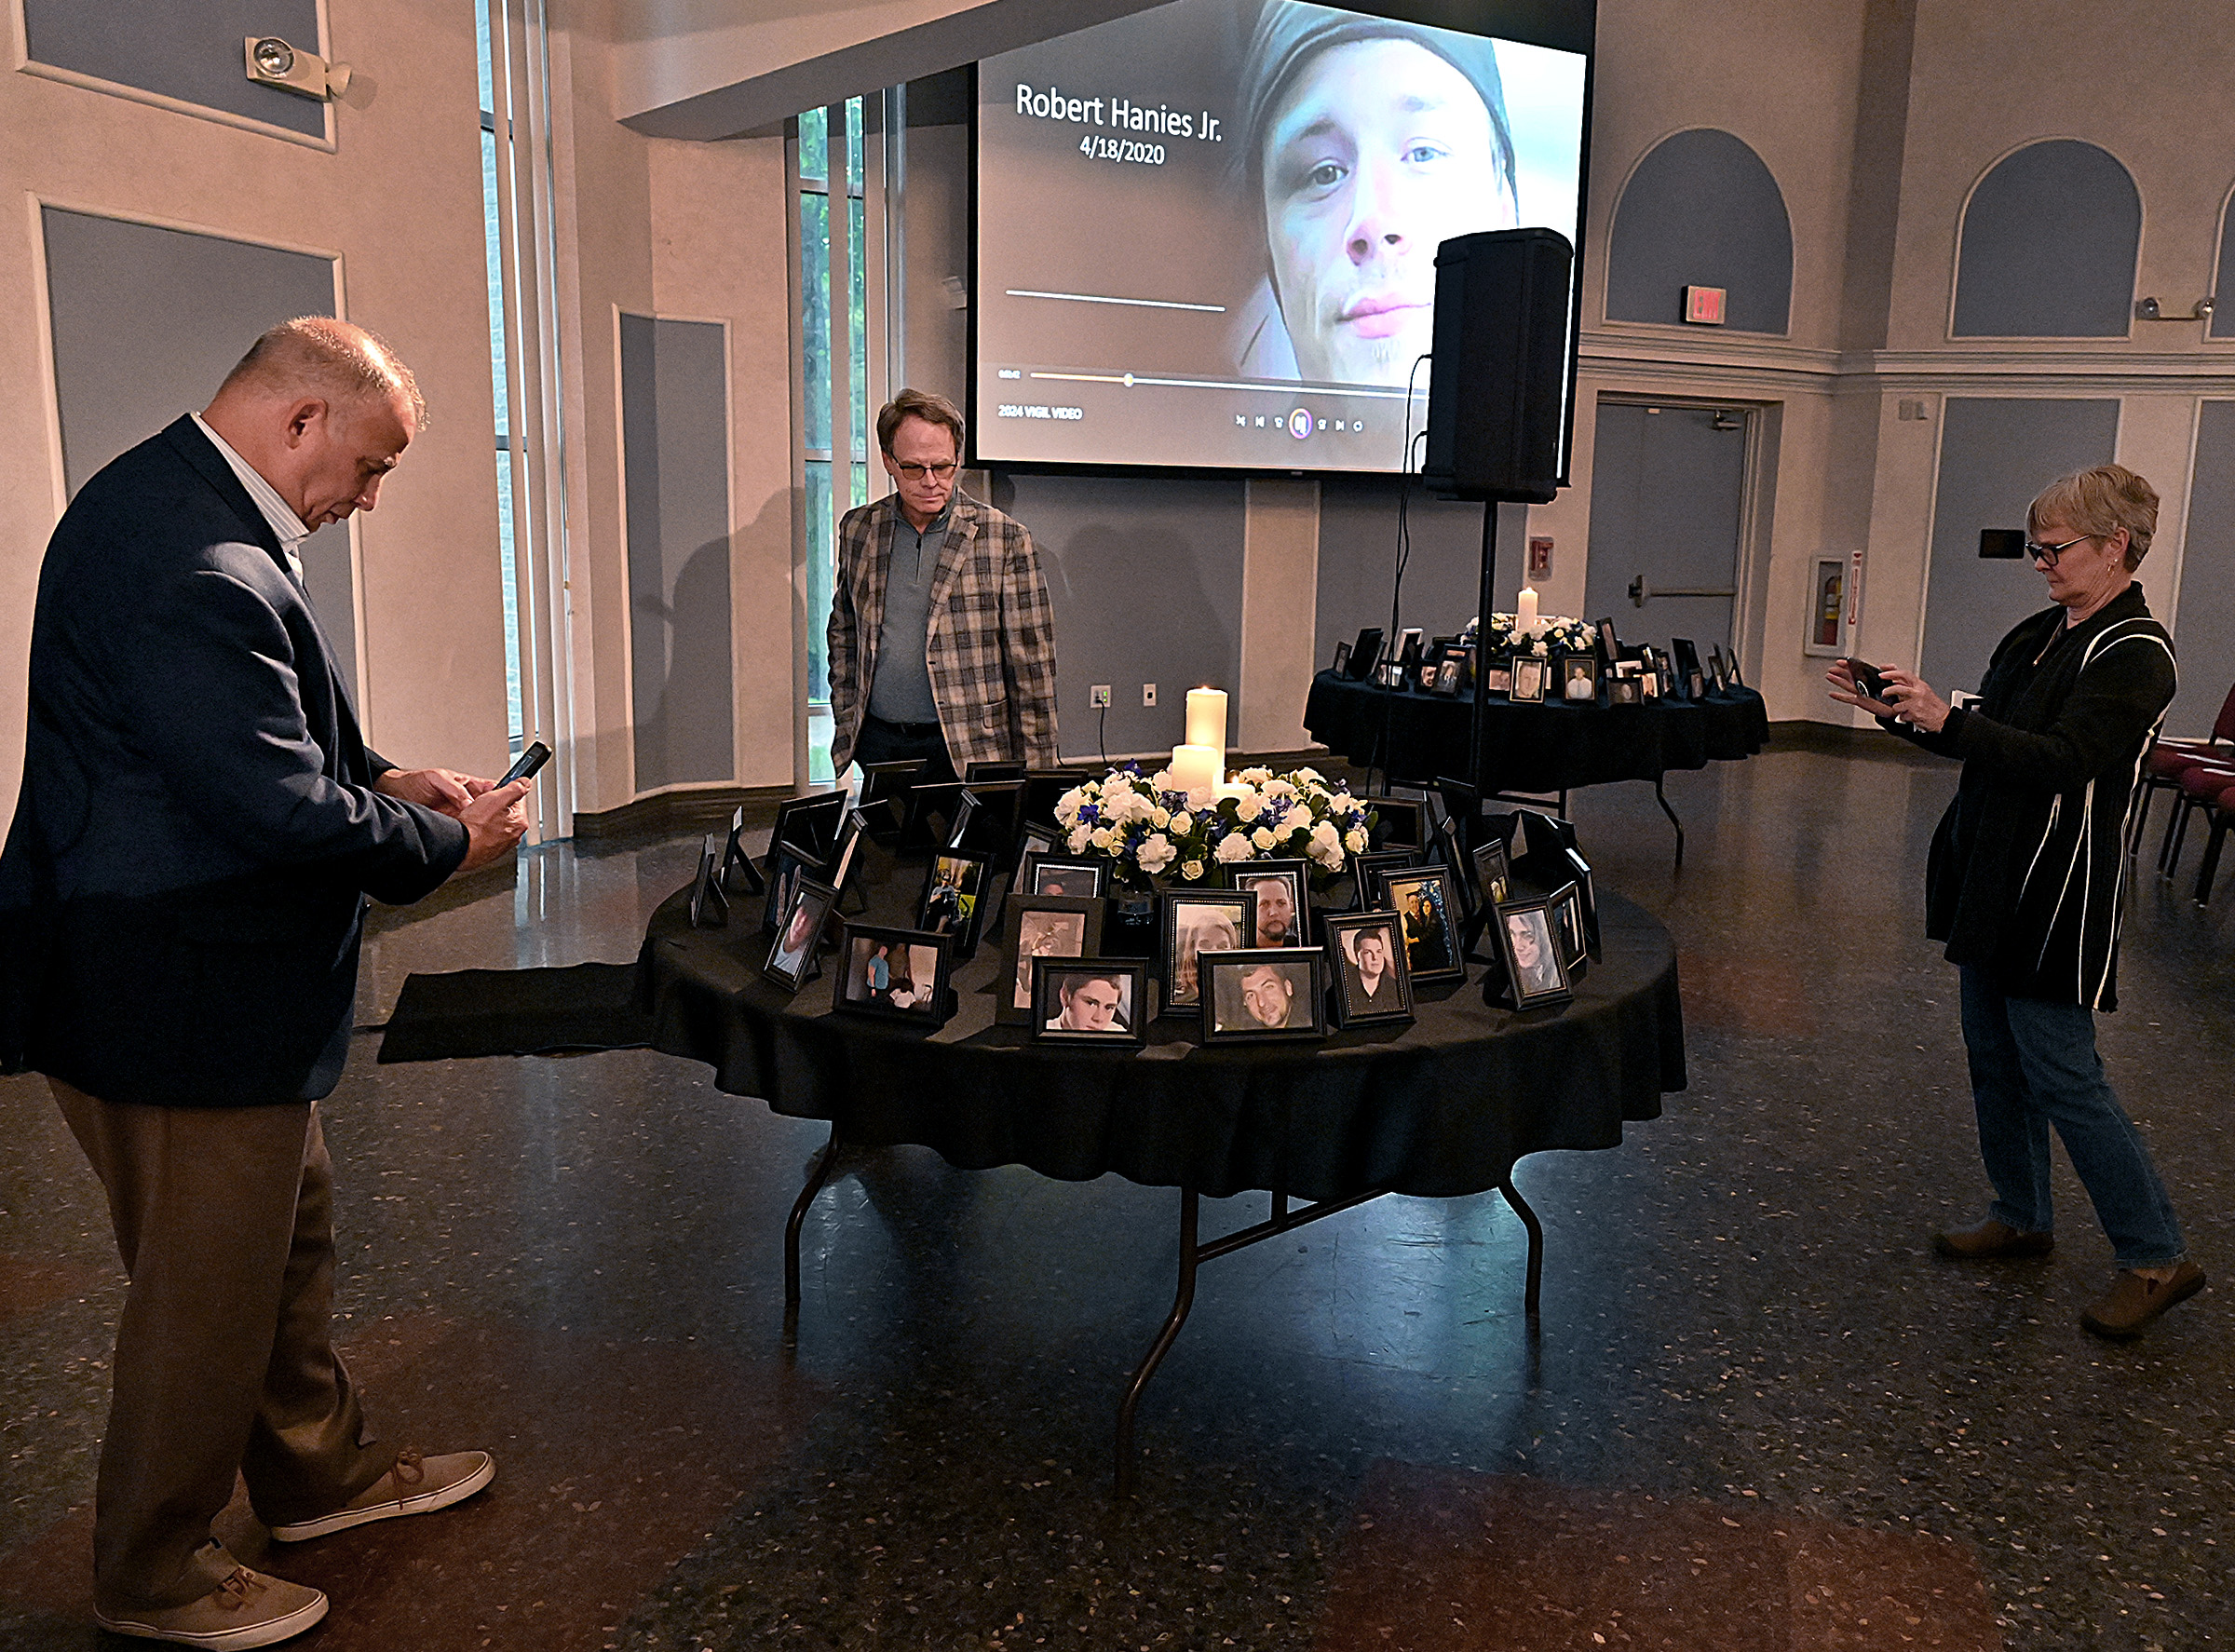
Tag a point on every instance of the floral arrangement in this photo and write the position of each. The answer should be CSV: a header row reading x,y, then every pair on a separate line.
x,y
1554,636
1149,827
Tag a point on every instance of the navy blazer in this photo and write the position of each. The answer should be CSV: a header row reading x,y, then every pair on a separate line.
x,y
185,881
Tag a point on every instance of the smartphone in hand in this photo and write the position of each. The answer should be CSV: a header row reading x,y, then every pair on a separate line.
x,y
1869,682
533,758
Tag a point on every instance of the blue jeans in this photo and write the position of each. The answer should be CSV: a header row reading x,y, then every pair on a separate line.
x,y
2034,1064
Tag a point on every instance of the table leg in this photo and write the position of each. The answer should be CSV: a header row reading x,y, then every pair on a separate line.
x,y
1183,1301
1663,797
824,1166
1533,1293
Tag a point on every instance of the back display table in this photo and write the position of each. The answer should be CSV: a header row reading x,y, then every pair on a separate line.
x,y
1441,1108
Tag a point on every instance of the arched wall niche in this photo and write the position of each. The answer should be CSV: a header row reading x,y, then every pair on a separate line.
x,y
1702,210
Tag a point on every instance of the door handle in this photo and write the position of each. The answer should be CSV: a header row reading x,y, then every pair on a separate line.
x,y
1640,594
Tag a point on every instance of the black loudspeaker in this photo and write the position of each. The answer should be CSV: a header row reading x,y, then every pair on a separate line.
x,y
1499,371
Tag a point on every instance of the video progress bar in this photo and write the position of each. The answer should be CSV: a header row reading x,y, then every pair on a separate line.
x,y
1130,379
1145,303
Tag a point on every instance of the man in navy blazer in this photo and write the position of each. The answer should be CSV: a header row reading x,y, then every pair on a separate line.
x,y
183,889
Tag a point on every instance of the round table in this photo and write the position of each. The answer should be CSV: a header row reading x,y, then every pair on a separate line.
x,y
1439,1108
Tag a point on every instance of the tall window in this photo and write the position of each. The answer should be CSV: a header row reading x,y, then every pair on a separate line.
x,y
834,366
492,241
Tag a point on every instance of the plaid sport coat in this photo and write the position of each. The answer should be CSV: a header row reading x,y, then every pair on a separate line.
x,y
989,644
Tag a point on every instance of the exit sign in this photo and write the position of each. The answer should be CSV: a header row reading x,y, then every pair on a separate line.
x,y
1703,305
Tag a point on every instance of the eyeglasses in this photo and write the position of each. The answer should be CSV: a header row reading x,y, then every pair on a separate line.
x,y
917,472
2049,553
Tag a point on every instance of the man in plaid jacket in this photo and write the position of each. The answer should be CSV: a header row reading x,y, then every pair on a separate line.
x,y
942,638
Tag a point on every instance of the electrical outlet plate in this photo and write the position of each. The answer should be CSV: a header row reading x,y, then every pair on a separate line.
x,y
1148,693
1099,695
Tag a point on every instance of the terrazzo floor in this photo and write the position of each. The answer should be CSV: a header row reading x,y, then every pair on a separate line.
x,y
1760,1412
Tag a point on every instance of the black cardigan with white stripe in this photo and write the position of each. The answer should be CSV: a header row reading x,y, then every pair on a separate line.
x,y
2025,878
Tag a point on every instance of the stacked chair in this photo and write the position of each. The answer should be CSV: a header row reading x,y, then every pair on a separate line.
x,y
2200,775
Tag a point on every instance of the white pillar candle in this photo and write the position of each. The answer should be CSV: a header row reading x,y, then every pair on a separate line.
x,y
1207,717
1195,768
1525,615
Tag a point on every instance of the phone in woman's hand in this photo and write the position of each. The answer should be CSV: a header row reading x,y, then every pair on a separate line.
x,y
1869,682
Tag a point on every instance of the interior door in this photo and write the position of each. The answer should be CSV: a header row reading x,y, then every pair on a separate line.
x,y
1666,498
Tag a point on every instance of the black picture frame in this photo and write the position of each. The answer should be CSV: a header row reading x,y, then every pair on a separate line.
x,y
988,819
1625,691
1180,939
737,861
1033,838
1052,1005
993,769
1342,660
1044,788
1578,670
1040,868
1688,674
1580,868
1565,904
1445,684
794,955
1447,850
883,786
1013,985
1426,899
1292,876
957,891
1231,989
786,866
1365,653
1408,651
906,995
1366,868
710,906
1529,673
1390,996
1609,645
1398,822
1498,677
1540,981
809,824
1493,872
927,813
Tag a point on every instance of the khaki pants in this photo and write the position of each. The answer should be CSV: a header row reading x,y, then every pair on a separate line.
x,y
224,1219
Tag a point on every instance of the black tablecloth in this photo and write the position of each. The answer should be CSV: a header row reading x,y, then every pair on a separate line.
x,y
1549,747
1441,1108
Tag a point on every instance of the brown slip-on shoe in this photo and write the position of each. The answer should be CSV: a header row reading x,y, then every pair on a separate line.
x,y
1993,1241
416,1485
246,1609
2134,1301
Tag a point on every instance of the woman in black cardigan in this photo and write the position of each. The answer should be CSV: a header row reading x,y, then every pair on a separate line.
x,y
2024,884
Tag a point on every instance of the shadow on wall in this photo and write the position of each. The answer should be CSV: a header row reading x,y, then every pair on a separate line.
x,y
683,725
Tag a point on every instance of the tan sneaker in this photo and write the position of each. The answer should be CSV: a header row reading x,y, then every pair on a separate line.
x,y
416,1485
2135,1300
246,1609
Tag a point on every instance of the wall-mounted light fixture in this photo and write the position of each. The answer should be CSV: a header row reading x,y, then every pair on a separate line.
x,y
271,61
2149,309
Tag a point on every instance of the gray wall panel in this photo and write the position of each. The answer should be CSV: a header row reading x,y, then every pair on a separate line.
x,y
2067,195
1358,560
188,49
147,322
675,448
1701,210
1146,578
1994,455
2205,637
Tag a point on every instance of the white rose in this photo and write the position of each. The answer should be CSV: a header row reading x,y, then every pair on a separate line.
x,y
1355,840
1278,789
1102,837
1309,775
1298,824
1263,837
1077,842
1159,818
1254,776
1324,836
1183,824
1156,853
1066,806
1247,807
1193,870
1326,854
1233,846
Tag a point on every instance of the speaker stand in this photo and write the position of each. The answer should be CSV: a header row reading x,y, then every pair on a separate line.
x,y
1477,763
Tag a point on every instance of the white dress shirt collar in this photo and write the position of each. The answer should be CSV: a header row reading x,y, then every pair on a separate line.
x,y
286,526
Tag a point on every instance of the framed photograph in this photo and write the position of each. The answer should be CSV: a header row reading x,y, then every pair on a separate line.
x,y
1626,691
1043,926
1730,671
1446,681
1690,676
955,887
810,825
1398,822
986,818
1264,993
1580,868
848,855
1091,1001
786,866
710,906
1365,653
1389,674
739,875
1044,788
1342,659
1580,677
1367,870
791,961
1649,685
1197,921
1609,646
992,768
1718,673
1034,840
1066,874
1493,876
1371,984
899,974
930,813
1446,830
1408,648
1565,904
1498,679
1531,954
1426,899
1528,678
883,785
1282,889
